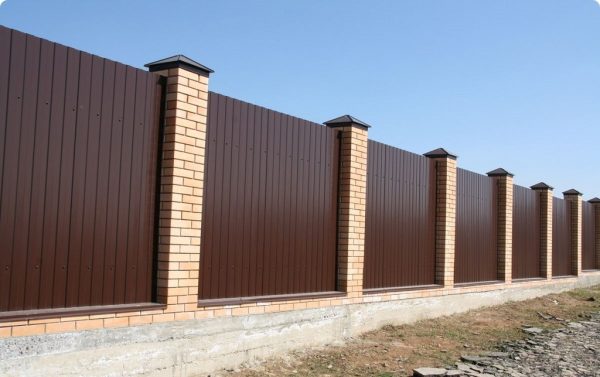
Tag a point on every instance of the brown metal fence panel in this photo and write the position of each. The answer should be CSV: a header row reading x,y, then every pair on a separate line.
x,y
561,238
589,237
269,219
526,233
78,148
400,224
476,228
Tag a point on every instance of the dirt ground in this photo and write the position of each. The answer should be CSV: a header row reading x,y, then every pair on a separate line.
x,y
396,350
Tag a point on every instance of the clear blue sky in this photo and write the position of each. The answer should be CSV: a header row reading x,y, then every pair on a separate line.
x,y
512,84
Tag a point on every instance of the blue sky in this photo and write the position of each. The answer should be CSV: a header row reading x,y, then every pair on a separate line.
x,y
512,84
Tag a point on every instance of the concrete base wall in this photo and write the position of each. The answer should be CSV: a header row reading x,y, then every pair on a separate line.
x,y
199,347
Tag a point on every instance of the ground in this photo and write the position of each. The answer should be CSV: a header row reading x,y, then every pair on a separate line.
x,y
397,350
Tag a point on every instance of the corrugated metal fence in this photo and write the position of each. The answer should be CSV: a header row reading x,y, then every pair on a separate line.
x,y
400,228
526,233
269,220
589,237
476,228
561,238
78,177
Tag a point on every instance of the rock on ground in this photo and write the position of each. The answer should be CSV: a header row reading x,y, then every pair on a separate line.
x,y
572,351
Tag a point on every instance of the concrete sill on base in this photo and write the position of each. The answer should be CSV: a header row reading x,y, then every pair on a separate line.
x,y
78,311
402,289
478,283
564,277
525,280
267,299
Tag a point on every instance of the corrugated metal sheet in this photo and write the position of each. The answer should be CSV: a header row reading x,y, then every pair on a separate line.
x,y
526,233
476,228
269,219
561,238
589,237
400,228
79,142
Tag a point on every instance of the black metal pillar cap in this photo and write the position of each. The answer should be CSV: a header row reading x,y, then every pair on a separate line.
x,y
594,200
440,152
542,186
179,61
346,120
572,192
500,173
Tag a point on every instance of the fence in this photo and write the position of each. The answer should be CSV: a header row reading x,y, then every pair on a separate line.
x,y
561,238
526,247
476,228
589,259
145,194
271,181
400,227
79,146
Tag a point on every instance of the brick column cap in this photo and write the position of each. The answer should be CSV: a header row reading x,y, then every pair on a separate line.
x,y
572,192
542,186
346,120
594,200
500,173
441,153
179,61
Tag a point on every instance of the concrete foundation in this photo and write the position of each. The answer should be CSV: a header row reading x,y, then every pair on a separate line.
x,y
199,347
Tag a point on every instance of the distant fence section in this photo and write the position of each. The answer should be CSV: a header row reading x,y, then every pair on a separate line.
x,y
476,228
78,164
561,238
589,258
526,249
269,221
400,227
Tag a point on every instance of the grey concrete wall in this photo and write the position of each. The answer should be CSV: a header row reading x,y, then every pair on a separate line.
x,y
196,348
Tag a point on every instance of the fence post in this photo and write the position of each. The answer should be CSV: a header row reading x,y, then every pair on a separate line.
x,y
545,195
504,182
576,218
445,219
182,181
596,205
352,202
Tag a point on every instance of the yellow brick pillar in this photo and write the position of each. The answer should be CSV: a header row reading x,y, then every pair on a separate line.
x,y
182,181
575,213
352,202
504,182
545,197
596,204
445,223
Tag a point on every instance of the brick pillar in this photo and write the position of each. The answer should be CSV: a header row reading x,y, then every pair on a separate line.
x,y
596,205
182,178
445,223
575,213
504,182
352,202
545,196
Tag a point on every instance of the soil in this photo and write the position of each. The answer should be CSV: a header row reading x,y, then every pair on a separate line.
x,y
397,350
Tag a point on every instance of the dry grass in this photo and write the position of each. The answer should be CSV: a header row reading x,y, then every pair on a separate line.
x,y
396,350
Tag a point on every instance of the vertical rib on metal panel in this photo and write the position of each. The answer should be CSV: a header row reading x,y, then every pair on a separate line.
x,y
269,221
526,233
589,237
561,238
400,234
78,136
476,228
